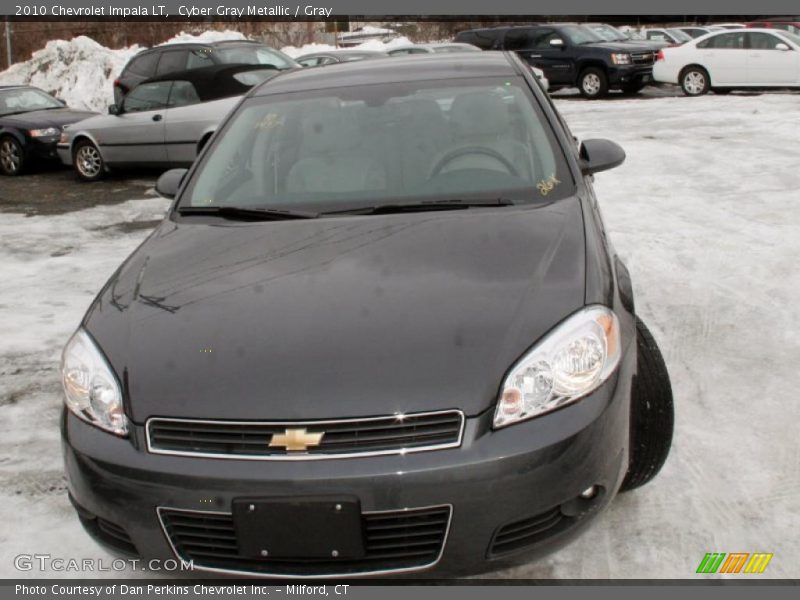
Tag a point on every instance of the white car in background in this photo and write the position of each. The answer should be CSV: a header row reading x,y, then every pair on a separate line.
x,y
732,59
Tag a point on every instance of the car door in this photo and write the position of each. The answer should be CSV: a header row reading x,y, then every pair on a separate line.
x,y
136,135
535,46
725,57
770,60
186,119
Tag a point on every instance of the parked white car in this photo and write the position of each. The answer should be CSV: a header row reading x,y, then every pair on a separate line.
x,y
734,59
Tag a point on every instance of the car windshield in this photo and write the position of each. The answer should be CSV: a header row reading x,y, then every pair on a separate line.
x,y
22,100
252,54
578,35
792,37
679,35
372,145
607,32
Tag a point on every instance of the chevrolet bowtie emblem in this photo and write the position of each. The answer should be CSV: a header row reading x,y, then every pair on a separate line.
x,y
295,440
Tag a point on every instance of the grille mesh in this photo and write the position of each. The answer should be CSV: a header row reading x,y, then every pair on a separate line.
x,y
390,434
526,532
407,539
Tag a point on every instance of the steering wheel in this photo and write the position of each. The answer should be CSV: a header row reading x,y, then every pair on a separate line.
x,y
466,151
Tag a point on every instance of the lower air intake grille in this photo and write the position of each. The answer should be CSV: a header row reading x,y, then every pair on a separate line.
x,y
394,541
526,532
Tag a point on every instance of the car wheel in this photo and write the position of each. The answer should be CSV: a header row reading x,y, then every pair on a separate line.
x,y
694,81
12,156
652,412
88,161
593,83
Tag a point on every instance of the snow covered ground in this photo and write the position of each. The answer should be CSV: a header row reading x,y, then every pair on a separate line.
x,y
704,212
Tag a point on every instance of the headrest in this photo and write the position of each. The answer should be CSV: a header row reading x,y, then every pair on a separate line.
x,y
478,114
328,128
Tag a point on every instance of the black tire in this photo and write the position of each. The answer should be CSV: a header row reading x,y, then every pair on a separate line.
x,y
12,156
88,162
652,412
593,83
694,81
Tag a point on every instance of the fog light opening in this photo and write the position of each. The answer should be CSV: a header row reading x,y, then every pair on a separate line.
x,y
589,493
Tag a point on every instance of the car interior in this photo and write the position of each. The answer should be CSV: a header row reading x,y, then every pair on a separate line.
x,y
429,142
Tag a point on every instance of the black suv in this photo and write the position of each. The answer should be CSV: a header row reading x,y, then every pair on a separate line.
x,y
574,56
172,58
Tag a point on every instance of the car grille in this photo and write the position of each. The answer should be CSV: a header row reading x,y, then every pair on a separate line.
x,y
342,438
643,58
526,532
401,540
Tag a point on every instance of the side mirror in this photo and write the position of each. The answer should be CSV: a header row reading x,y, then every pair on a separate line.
x,y
113,109
781,46
169,183
557,43
600,155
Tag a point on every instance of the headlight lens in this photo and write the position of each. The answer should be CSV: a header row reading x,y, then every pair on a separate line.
x,y
572,361
91,390
620,58
50,131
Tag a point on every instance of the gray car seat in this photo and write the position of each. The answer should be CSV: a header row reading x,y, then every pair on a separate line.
x,y
481,119
332,157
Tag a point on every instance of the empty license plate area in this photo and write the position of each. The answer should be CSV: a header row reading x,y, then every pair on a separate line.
x,y
299,527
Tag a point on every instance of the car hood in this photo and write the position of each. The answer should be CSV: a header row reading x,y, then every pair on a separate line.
x,y
340,317
41,119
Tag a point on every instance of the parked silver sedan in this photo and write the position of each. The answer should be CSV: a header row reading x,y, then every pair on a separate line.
x,y
164,122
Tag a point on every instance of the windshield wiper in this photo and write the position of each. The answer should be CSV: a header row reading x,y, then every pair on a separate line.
x,y
248,214
385,209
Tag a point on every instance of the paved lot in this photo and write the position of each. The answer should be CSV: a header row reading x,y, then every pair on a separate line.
x,y
704,212
53,190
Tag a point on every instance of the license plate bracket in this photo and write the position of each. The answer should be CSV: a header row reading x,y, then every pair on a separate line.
x,y
299,527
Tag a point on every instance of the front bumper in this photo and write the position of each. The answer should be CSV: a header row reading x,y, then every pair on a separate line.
x,y
64,154
43,148
532,472
630,75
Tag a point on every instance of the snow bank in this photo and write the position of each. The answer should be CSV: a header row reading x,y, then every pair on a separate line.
x,y
373,45
81,71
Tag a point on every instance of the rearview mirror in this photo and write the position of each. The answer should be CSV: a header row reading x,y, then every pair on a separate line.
x,y
600,155
113,109
169,183
557,43
780,46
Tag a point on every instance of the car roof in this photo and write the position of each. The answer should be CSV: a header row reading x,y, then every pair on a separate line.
x,y
400,69
345,51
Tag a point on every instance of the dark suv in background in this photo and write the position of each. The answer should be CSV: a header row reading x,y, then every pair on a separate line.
x,y
172,58
573,56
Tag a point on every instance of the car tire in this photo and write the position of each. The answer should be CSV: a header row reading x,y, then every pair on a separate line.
x,y
593,83
12,156
652,412
694,81
88,162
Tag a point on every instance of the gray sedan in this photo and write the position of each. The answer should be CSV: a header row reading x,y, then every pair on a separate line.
x,y
165,121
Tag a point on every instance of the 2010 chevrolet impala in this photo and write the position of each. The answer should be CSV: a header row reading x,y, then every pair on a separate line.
x,y
381,330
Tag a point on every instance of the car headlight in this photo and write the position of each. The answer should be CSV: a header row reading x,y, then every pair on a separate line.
x,y
570,362
48,132
91,389
620,58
